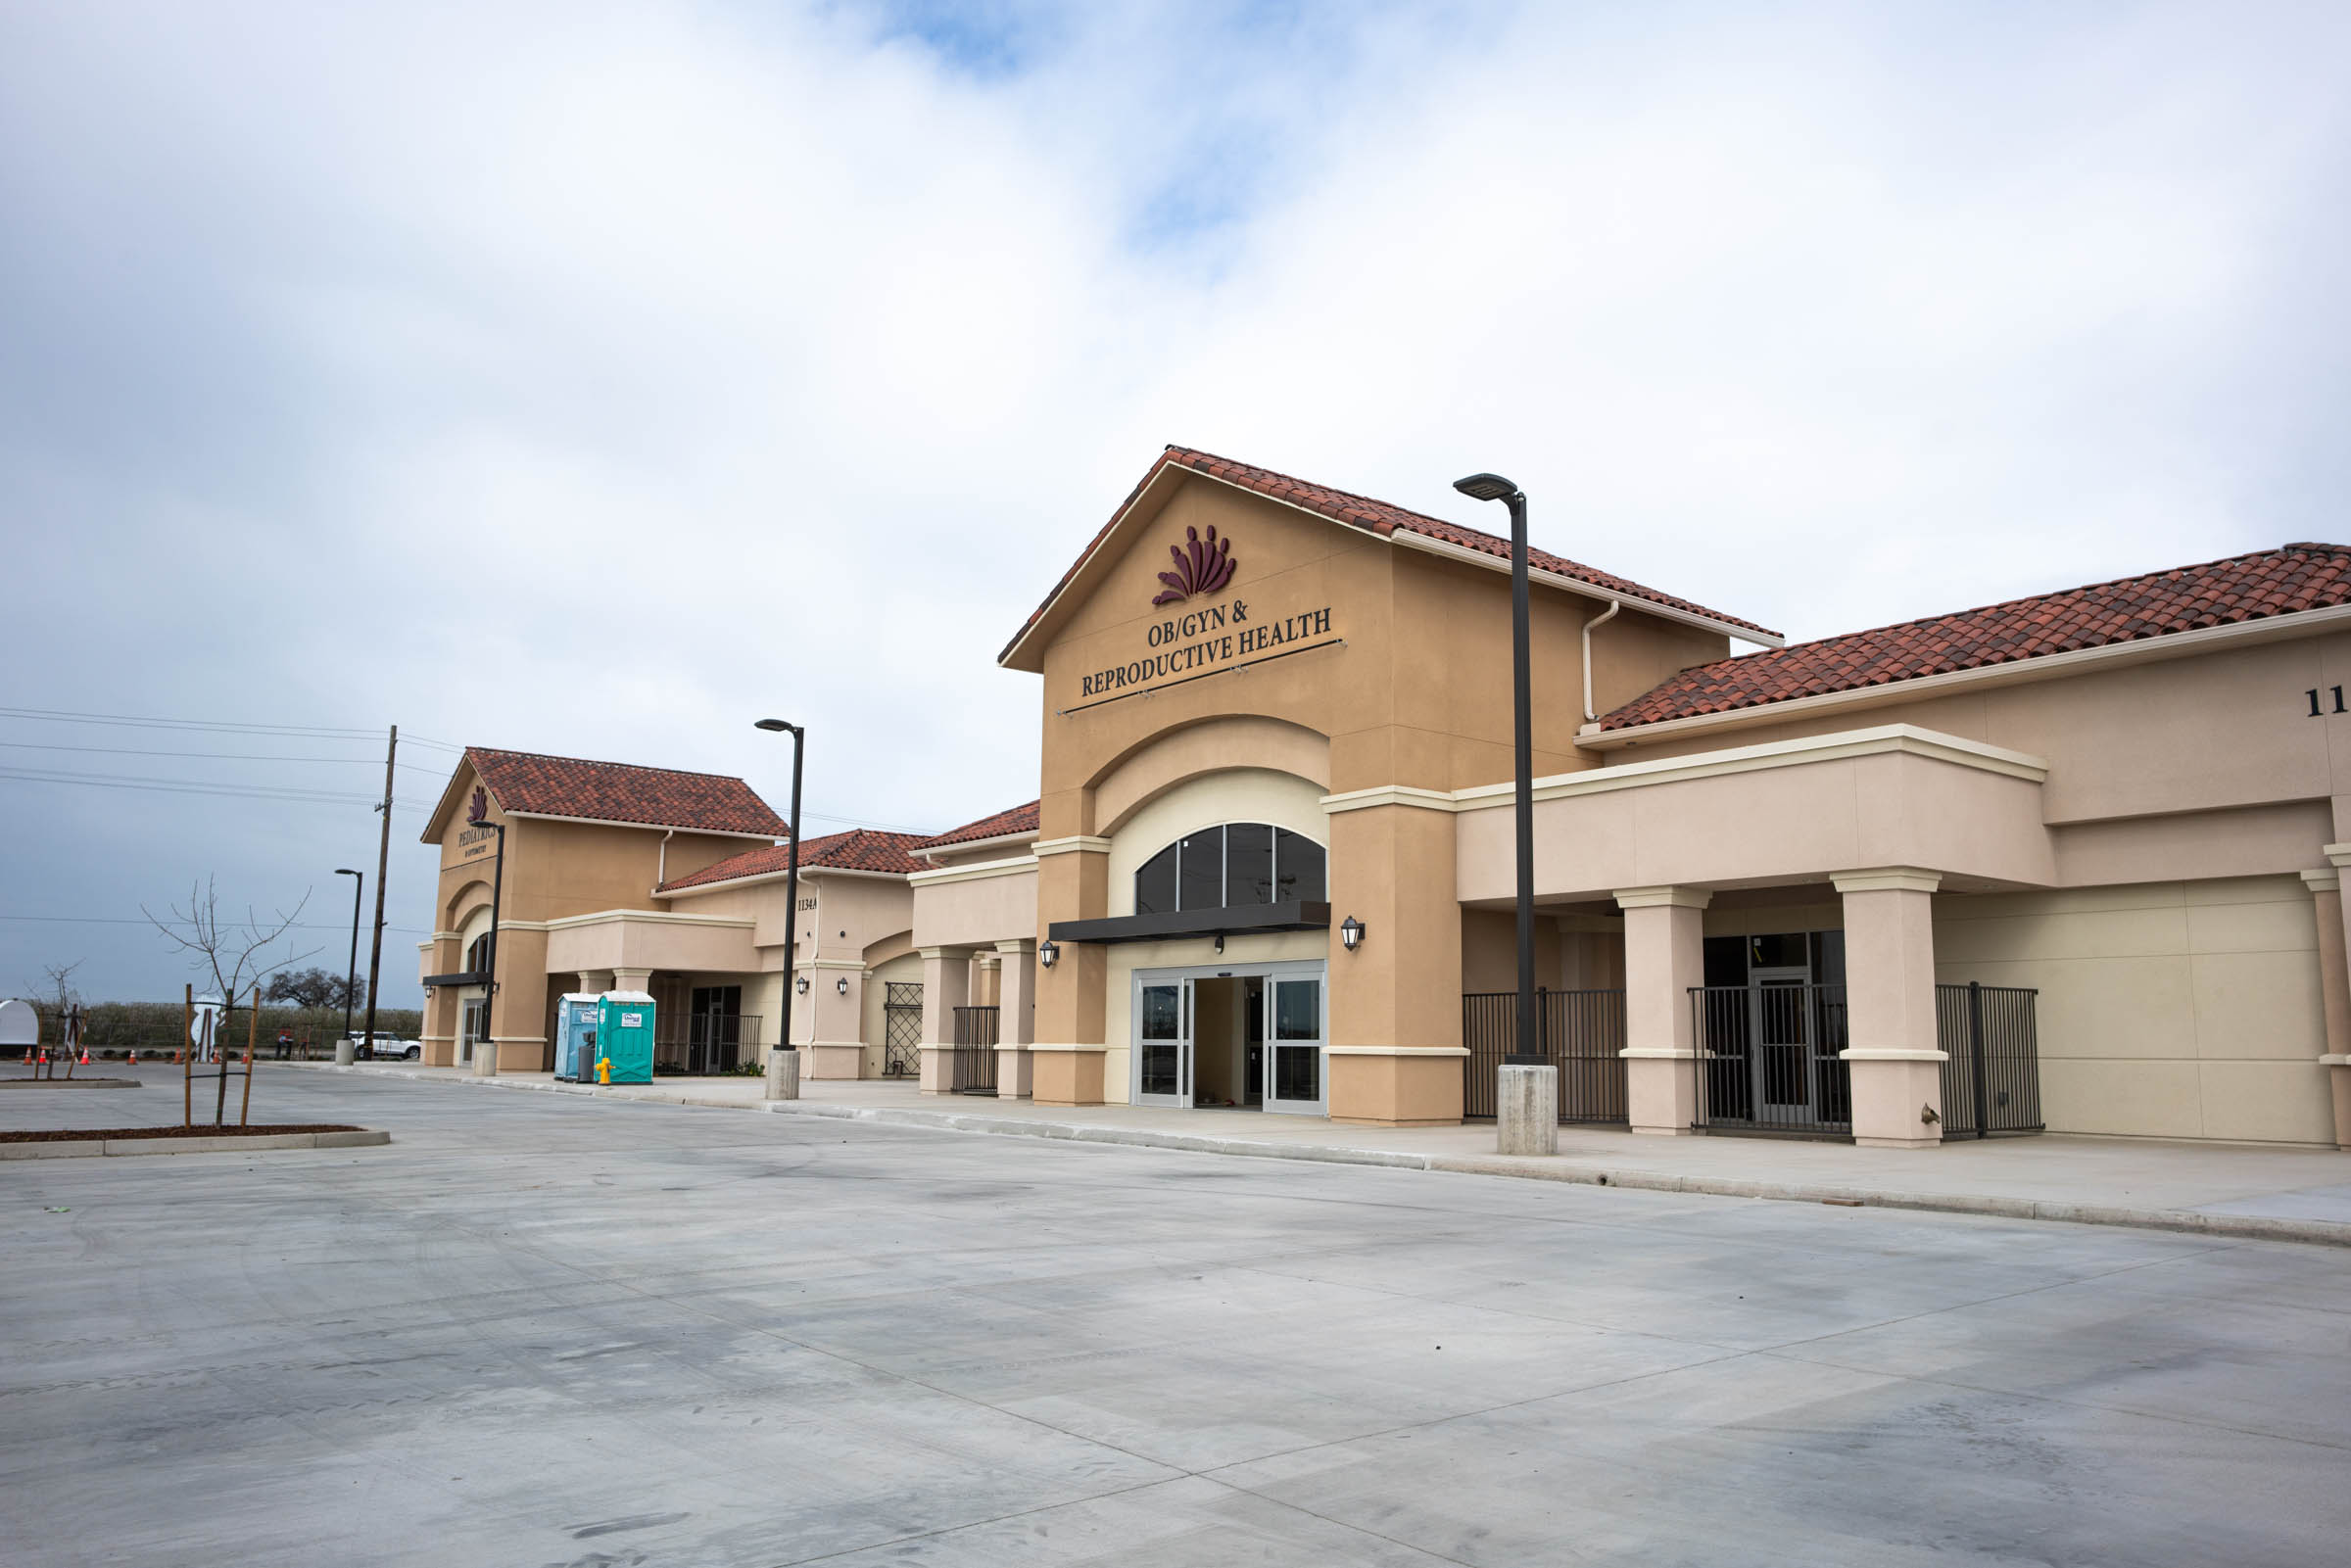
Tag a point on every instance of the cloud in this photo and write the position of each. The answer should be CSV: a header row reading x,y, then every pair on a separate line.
x,y
595,380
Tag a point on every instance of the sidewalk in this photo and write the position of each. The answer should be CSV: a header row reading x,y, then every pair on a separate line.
x,y
2240,1190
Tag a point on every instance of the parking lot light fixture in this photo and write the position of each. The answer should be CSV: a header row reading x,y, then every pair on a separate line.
x,y
792,899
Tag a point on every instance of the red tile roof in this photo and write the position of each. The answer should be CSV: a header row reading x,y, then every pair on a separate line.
x,y
1003,825
1373,516
620,791
2129,609
862,849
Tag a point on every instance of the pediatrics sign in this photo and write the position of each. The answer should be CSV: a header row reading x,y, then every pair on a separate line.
x,y
1211,639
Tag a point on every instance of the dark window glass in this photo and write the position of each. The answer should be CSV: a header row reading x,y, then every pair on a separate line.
x,y
1297,1072
1828,958
1155,884
1297,1010
1201,876
1161,1020
1780,950
1726,961
1248,863
1298,863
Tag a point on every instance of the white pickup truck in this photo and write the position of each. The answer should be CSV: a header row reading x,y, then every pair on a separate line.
x,y
382,1047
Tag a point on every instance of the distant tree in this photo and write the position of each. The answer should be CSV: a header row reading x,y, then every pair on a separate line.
x,y
228,955
311,988
57,980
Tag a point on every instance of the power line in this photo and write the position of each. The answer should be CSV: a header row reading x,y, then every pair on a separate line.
x,y
220,756
291,795
73,716
125,920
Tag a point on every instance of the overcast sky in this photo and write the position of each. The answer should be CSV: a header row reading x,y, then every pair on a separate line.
x,y
595,379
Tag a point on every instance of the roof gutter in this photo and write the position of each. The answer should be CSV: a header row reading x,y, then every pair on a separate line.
x,y
1600,620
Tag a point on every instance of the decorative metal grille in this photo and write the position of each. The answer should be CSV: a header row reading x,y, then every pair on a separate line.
x,y
903,1029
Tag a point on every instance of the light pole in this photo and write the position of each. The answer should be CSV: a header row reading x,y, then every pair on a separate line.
x,y
792,908
485,1055
351,978
1528,1042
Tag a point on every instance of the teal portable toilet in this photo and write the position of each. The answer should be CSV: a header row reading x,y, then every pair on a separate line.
x,y
575,1021
624,1038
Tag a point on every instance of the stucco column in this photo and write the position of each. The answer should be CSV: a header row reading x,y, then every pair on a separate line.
x,y
2335,980
1016,1025
632,981
1067,1055
946,986
1664,956
1895,1052
1395,1055
596,982
834,1046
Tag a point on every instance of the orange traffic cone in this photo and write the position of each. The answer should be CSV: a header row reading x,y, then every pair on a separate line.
x,y
130,1059
85,1057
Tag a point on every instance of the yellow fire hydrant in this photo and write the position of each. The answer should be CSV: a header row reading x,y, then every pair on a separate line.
x,y
603,1069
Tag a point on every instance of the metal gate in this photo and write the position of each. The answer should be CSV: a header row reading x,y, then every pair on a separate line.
x,y
1770,1058
902,1029
1991,1074
1583,1036
975,1049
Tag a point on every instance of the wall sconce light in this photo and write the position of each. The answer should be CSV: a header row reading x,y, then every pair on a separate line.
x,y
1047,951
842,985
1350,933
802,985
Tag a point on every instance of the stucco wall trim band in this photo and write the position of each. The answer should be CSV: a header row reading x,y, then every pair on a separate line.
x,y
650,915
1396,1050
1082,843
1390,795
1020,866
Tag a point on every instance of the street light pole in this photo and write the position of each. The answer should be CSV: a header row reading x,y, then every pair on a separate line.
x,y
792,906
485,1055
1529,1041
351,976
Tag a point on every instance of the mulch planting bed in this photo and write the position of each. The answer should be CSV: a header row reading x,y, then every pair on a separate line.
x,y
67,1134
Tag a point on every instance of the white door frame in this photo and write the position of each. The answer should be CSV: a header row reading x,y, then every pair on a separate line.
x,y
1296,970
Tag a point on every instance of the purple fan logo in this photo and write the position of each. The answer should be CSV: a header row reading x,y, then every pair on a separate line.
x,y
481,804
1202,566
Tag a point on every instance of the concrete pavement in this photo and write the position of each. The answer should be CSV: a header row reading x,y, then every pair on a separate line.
x,y
2246,1189
560,1329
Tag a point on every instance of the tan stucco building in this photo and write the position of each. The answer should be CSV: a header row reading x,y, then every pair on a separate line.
x,y
2068,862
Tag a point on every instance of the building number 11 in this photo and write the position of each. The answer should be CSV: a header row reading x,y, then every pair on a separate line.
x,y
2312,695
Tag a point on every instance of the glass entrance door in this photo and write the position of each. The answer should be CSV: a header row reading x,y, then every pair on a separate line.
x,y
1294,1043
1163,1043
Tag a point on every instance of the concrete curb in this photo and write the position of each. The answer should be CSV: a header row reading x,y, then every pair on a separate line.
x,y
88,1148
2190,1221
68,1083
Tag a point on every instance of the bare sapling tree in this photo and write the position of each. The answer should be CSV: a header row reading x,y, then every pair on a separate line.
x,y
57,979
233,955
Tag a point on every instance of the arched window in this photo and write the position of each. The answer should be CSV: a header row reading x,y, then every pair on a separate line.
x,y
477,954
1229,867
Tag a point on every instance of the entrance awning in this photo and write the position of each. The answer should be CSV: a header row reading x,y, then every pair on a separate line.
x,y
468,977
1299,915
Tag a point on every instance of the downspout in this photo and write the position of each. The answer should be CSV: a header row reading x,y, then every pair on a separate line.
x,y
1614,605
662,870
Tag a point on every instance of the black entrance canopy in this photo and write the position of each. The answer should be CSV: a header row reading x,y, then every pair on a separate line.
x,y
1299,915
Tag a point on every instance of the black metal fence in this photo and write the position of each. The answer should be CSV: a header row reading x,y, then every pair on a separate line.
x,y
1991,1083
975,1049
1768,1059
703,1044
902,1029
1582,1033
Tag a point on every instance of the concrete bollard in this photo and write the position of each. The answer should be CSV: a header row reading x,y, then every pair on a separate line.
x,y
783,1075
345,1051
485,1060
1526,1109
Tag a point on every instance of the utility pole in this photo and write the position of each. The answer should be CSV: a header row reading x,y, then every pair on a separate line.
x,y
383,858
